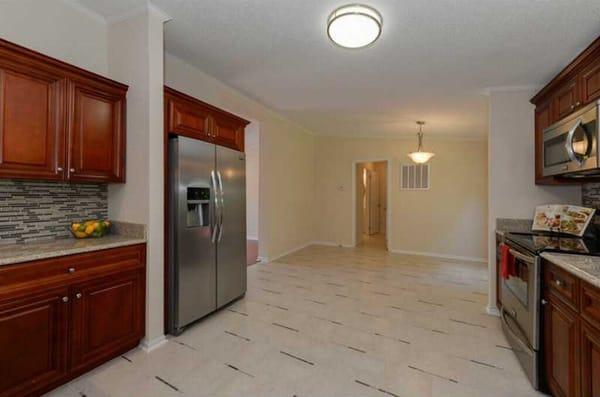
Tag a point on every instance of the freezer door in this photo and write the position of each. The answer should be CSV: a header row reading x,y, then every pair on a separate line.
x,y
231,246
193,253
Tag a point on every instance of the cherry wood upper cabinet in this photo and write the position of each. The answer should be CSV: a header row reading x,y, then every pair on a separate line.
x,y
188,116
567,99
31,122
575,86
57,121
33,341
96,133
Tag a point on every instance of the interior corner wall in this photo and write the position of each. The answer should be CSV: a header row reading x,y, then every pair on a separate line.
x,y
252,149
449,219
136,58
58,29
286,164
511,167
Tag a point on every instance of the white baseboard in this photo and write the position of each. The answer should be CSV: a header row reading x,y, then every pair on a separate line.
x,y
153,344
253,238
442,256
492,311
286,253
331,244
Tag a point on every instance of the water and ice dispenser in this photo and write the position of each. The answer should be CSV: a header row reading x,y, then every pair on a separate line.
x,y
198,206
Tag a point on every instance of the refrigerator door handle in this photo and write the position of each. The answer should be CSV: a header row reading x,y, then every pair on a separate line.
x,y
221,206
215,190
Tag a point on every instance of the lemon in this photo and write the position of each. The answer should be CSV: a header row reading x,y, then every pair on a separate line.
x,y
89,229
75,226
95,225
80,234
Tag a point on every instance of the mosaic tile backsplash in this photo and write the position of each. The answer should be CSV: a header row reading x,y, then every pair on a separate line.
x,y
41,210
590,197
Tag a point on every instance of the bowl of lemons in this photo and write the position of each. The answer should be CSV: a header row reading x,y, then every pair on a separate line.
x,y
91,228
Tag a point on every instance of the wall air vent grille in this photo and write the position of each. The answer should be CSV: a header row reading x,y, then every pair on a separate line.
x,y
415,177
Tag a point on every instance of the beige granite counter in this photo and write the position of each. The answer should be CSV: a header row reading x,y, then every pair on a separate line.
x,y
122,234
583,266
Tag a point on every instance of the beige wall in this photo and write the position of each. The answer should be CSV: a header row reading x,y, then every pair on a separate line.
x,y
252,149
286,160
58,29
512,189
450,219
136,58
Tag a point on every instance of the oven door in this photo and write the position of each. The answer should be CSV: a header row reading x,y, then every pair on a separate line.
x,y
521,295
571,145
527,356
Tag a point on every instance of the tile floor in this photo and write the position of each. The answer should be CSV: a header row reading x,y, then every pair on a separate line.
x,y
328,322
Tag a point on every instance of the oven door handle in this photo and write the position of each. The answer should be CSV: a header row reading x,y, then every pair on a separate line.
x,y
524,258
526,346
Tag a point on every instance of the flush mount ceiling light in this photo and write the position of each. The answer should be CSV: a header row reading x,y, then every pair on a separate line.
x,y
354,26
420,156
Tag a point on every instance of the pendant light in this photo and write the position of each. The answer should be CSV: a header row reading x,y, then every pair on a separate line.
x,y
354,26
420,156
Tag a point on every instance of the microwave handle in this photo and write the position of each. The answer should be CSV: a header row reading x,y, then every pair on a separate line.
x,y
569,142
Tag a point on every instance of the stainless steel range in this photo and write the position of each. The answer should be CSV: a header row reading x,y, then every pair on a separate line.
x,y
520,290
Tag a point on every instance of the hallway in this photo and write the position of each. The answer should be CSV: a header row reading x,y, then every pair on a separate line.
x,y
327,322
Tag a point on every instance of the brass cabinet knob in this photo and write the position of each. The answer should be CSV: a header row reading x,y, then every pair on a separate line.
x,y
65,299
71,270
78,295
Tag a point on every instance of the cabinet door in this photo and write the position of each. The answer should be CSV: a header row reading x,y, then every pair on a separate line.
x,y
187,119
33,342
228,132
543,119
31,124
96,134
590,361
107,317
590,83
567,99
562,349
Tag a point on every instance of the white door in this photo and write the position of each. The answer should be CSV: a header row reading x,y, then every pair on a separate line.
x,y
373,192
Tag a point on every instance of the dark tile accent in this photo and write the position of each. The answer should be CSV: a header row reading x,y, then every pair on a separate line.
x,y
356,349
296,357
433,374
317,302
336,284
484,364
389,393
285,327
126,359
240,313
239,370
238,336
167,383
31,210
467,323
394,339
185,345
430,303
370,314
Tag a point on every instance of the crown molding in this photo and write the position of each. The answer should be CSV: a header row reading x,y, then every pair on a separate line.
x,y
511,88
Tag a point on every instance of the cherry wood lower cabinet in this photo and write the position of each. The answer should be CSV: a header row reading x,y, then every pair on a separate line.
x,y
67,316
562,349
571,338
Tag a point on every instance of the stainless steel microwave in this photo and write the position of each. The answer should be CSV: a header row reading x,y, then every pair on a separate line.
x,y
571,144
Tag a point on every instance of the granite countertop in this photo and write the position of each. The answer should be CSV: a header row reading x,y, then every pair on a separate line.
x,y
122,234
583,266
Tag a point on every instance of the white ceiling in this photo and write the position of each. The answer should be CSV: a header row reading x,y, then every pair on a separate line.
x,y
433,60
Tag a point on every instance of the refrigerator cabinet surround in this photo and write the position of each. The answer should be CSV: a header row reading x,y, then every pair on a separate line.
x,y
207,229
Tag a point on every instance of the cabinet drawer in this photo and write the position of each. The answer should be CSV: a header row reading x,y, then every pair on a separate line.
x,y
70,268
590,304
563,285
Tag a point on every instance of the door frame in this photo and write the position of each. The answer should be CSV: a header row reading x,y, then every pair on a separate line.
x,y
388,212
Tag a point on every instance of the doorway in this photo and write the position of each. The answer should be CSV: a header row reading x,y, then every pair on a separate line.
x,y
371,204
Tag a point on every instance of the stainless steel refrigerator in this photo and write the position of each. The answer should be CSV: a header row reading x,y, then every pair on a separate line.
x,y
207,230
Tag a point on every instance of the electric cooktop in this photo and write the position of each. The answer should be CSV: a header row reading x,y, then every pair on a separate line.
x,y
537,242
